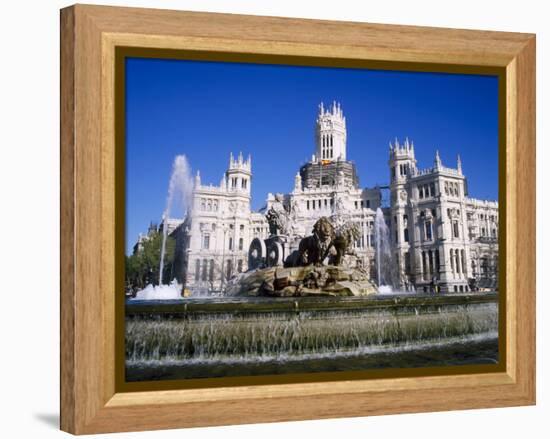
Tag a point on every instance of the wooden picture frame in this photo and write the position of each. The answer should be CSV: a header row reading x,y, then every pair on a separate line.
x,y
91,397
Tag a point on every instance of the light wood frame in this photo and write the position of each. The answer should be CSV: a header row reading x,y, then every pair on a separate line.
x,y
90,402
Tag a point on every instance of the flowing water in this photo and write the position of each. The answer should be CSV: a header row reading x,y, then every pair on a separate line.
x,y
387,275
180,191
198,344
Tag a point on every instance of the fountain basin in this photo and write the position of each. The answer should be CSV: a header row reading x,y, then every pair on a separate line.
x,y
194,337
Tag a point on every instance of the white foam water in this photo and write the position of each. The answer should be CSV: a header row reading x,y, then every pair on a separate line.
x,y
160,292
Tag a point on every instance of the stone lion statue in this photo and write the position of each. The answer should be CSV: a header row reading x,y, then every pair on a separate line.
x,y
315,248
345,236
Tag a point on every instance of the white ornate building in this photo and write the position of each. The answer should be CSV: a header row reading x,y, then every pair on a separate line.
x,y
439,236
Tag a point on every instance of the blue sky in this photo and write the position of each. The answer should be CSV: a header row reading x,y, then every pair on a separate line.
x,y
205,110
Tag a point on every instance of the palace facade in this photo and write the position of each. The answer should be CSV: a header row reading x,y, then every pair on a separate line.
x,y
440,237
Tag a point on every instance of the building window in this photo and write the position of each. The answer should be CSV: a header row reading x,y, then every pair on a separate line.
x,y
307,204
455,230
428,227
241,243
420,192
228,269
206,241
230,243
211,273
357,205
432,189
197,270
244,183
494,232
204,269
484,266
406,234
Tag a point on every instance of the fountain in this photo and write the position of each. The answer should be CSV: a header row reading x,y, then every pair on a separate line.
x,y
181,184
180,190
303,309
250,336
386,266
383,253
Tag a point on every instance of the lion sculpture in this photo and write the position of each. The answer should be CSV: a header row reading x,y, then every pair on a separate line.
x,y
314,249
327,242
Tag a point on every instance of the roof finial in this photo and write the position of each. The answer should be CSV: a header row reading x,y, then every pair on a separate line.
x,y
459,164
437,161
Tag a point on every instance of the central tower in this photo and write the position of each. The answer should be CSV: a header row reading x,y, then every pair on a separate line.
x,y
329,166
330,134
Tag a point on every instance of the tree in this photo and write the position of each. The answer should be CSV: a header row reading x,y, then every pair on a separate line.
x,y
142,268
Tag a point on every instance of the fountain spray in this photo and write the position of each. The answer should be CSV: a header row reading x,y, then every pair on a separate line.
x,y
180,191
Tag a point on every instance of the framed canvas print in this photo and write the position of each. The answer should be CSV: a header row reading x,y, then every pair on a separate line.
x,y
273,219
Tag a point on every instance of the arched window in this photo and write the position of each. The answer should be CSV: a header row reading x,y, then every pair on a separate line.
x,y
452,259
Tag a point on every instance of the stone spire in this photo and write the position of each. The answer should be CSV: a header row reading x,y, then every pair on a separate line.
x,y
437,161
459,164
198,179
298,182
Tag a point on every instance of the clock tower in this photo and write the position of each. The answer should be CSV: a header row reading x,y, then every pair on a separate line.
x,y
330,134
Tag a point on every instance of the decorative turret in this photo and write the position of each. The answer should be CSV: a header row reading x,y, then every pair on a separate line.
x,y
402,161
330,134
459,164
239,173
